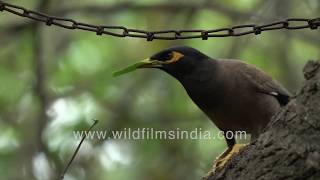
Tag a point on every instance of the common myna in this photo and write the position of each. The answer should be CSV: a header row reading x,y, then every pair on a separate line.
x,y
236,96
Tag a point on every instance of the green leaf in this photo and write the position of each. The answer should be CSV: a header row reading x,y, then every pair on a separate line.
x,y
128,69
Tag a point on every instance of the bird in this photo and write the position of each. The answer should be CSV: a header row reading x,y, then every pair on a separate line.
x,y
234,95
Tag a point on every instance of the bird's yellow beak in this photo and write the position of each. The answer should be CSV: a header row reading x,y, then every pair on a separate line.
x,y
150,63
146,63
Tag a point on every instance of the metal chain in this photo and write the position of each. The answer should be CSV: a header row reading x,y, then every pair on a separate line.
x,y
120,31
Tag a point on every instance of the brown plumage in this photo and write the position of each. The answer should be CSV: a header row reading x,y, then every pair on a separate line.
x,y
237,97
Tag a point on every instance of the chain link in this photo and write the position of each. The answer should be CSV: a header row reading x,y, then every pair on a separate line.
x,y
120,31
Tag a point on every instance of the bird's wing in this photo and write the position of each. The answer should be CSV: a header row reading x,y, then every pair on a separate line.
x,y
264,83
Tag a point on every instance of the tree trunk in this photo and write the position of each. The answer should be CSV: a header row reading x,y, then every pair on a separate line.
x,y
289,148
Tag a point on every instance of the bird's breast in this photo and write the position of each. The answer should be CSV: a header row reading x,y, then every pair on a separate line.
x,y
232,105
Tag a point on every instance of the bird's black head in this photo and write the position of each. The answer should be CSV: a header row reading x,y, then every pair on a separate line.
x,y
177,61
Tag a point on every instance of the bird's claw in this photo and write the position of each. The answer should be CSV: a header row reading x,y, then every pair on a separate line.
x,y
222,159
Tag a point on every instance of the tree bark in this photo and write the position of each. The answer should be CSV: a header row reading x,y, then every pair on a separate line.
x,y
289,148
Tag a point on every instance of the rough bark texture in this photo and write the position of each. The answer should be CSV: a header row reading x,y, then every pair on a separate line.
x,y
289,148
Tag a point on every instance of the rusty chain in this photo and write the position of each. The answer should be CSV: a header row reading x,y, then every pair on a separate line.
x,y
120,31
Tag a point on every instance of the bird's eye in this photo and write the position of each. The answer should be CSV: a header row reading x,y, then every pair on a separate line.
x,y
168,56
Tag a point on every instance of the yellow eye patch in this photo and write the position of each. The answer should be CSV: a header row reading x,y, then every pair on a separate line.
x,y
176,56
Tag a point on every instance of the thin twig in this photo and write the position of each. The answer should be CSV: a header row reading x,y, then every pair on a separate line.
x,y
76,151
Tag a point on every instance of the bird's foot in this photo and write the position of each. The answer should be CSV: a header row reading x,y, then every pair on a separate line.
x,y
223,158
227,155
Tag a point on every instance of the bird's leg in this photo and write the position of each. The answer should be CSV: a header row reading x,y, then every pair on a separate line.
x,y
216,162
227,155
223,158
230,142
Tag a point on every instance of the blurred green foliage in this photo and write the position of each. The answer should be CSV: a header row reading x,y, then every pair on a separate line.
x,y
36,125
